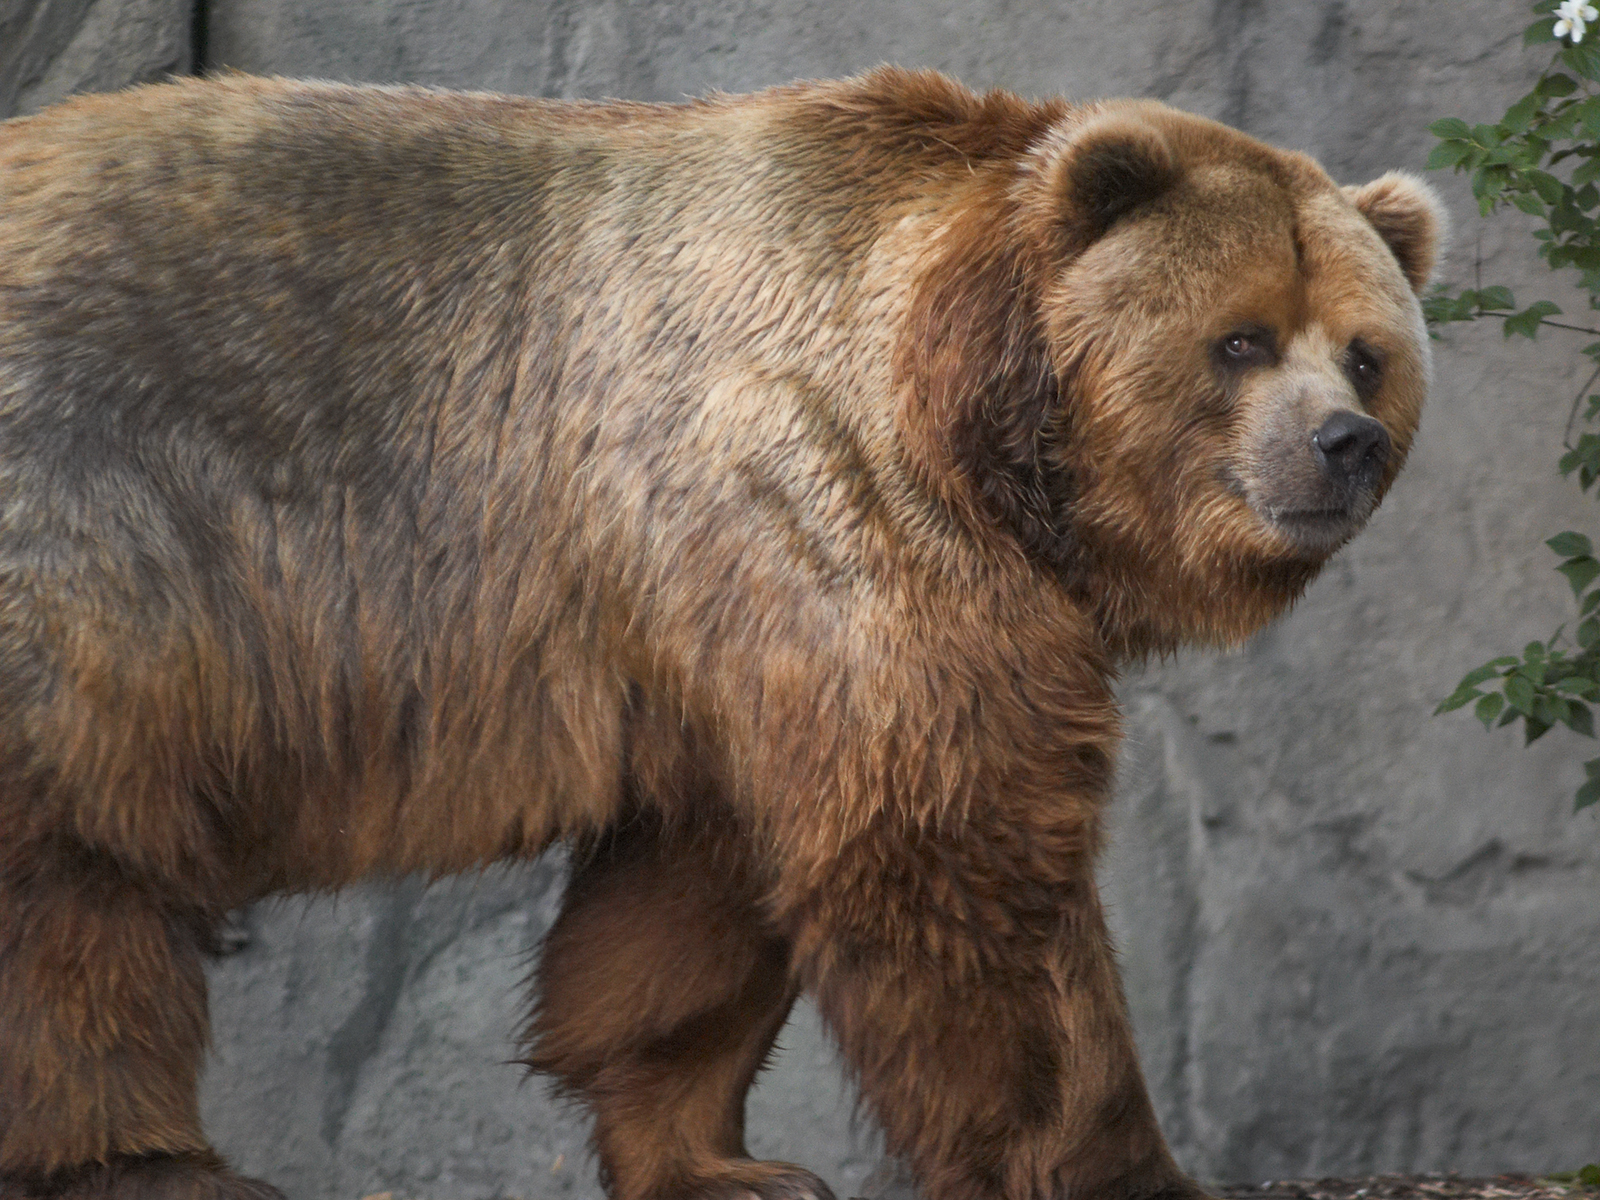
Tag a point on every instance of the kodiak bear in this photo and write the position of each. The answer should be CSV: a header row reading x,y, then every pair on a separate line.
x,y
759,493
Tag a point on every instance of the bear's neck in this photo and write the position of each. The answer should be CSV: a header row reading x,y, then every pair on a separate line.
x,y
1156,611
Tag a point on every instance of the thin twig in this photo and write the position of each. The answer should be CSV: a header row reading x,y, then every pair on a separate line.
x,y
1543,321
1572,416
1574,328
1566,434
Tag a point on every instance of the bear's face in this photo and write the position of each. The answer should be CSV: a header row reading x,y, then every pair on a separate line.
x,y
1243,364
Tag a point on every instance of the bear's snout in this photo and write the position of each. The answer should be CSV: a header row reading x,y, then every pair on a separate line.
x,y
1315,478
1351,449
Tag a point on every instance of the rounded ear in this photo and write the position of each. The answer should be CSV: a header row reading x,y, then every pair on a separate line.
x,y
1092,173
1408,217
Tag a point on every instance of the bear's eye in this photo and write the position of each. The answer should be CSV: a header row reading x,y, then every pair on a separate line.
x,y
1363,367
1244,348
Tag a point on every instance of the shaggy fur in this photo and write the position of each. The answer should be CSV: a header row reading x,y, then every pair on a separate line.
x,y
760,492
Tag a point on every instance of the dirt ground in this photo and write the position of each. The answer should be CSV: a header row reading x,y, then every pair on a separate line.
x,y
1413,1187
891,1182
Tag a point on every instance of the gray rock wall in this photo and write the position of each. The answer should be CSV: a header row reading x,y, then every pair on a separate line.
x,y
50,49
1354,937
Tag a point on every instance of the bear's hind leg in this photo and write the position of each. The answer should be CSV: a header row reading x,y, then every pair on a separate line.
x,y
660,996
102,1029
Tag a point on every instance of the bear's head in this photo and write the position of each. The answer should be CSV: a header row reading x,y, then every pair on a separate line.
x,y
1185,373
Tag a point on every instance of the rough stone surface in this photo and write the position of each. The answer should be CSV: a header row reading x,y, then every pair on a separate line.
x,y
364,1044
50,49
1356,938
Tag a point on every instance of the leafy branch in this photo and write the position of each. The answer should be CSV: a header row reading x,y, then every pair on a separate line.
x,y
1542,158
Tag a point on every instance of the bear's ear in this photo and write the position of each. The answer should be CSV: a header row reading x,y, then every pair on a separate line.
x,y
1093,173
1408,217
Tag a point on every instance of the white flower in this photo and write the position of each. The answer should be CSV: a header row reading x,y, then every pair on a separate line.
x,y
1572,18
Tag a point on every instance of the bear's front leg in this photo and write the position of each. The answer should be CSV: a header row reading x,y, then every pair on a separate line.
x,y
968,975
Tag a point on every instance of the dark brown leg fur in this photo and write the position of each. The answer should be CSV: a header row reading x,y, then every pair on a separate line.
x,y
971,983
156,1177
660,996
102,1029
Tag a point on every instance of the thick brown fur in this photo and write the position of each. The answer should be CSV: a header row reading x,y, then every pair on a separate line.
x,y
760,492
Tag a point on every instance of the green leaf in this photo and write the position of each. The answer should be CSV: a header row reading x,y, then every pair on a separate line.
x,y
1569,218
1495,298
1588,794
1488,708
1570,545
1535,729
1527,321
1490,179
1550,189
1520,115
1589,1175
1589,602
1580,572
1577,685
1447,154
1531,205
1439,306
1579,719
1587,257
1487,671
1581,60
1586,454
1519,694
1457,699
1557,86
1538,33
1453,128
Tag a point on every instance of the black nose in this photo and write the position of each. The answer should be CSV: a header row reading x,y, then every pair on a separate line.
x,y
1352,448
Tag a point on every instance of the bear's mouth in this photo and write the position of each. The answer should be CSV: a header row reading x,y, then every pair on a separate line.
x,y
1311,516
1314,525
1318,530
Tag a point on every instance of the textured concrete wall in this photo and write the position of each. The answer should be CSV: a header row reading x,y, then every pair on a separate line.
x,y
53,48
1354,937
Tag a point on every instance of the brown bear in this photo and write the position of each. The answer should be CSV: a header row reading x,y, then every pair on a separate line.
x,y
758,493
